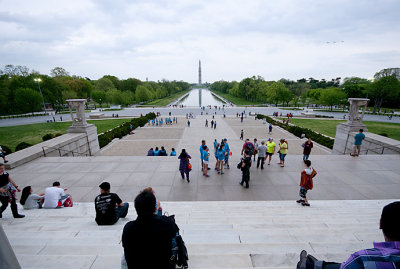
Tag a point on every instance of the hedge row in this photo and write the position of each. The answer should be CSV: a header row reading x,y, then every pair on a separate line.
x,y
23,116
50,136
299,131
123,129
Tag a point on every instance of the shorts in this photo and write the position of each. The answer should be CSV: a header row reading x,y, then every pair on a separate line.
x,y
269,154
227,158
282,156
357,147
205,162
303,192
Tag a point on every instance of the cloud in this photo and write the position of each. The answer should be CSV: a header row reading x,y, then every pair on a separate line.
x,y
234,39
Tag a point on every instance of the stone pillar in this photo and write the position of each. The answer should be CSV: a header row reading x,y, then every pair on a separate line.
x,y
344,138
79,125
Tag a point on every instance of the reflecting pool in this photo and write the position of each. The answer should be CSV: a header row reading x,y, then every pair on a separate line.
x,y
200,97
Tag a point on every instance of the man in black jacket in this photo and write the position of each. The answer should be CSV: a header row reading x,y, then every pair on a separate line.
x,y
147,241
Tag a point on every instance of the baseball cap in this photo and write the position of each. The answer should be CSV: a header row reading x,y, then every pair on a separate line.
x,y
105,186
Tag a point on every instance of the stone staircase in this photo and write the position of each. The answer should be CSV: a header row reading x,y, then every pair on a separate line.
x,y
223,234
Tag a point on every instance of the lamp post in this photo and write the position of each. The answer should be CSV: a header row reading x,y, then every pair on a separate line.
x,y
39,80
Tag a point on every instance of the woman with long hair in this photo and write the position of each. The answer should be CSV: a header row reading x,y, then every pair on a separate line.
x,y
221,158
184,164
30,200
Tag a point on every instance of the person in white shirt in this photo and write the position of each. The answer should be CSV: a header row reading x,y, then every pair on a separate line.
x,y
30,200
55,197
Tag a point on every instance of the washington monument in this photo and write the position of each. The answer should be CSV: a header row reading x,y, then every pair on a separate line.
x,y
199,72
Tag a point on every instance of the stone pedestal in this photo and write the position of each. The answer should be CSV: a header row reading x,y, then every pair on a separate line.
x,y
79,125
344,138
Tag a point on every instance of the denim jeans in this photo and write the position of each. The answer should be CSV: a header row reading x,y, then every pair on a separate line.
x,y
121,211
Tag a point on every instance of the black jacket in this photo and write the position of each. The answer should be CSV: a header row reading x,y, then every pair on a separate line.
x,y
147,242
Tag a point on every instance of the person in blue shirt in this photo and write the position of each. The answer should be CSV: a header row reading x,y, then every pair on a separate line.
x,y
206,158
221,158
203,143
227,151
358,138
156,152
173,152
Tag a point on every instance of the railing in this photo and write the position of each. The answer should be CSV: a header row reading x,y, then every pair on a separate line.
x,y
392,147
383,149
66,151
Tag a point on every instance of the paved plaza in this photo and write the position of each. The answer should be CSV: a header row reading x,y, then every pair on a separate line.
x,y
125,166
223,224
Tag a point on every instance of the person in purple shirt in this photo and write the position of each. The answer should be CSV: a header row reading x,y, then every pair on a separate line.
x,y
183,164
150,152
384,255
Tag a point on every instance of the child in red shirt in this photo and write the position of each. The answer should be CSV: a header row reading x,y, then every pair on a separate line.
x,y
306,182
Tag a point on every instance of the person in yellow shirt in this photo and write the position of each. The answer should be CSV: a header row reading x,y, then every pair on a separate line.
x,y
270,149
283,147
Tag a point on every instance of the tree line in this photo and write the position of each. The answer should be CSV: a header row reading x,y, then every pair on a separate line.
x,y
19,89
384,89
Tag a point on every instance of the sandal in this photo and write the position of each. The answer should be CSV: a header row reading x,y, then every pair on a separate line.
x,y
300,201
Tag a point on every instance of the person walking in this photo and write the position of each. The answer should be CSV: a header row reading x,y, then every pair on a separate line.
x,y
306,182
255,149
249,146
308,145
184,167
283,147
270,149
241,134
215,124
262,150
206,125
270,128
245,167
8,188
212,124
358,138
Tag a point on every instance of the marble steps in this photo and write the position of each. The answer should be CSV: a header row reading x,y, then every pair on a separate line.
x,y
218,235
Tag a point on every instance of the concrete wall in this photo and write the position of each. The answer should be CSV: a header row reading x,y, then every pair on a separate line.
x,y
71,144
374,144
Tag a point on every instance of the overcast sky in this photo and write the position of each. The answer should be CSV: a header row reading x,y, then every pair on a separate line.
x,y
233,39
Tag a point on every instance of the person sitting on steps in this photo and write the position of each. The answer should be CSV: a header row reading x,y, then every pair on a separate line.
x,y
384,255
109,207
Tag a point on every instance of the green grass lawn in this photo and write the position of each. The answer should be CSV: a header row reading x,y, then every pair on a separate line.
x,y
328,127
166,100
236,100
33,133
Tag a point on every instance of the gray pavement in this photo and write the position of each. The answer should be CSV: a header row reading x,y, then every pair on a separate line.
x,y
126,167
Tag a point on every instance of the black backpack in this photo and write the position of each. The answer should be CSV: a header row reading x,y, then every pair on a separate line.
x,y
179,251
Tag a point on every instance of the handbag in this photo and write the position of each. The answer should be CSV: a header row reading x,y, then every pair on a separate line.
x,y
189,166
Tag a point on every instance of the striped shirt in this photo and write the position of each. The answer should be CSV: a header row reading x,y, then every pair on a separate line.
x,y
385,255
